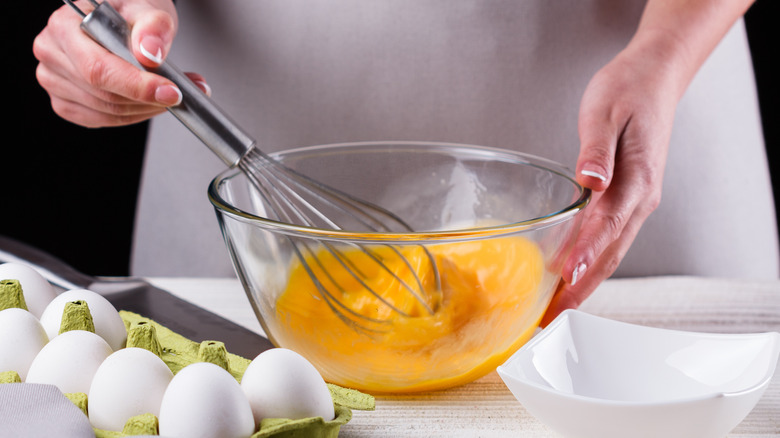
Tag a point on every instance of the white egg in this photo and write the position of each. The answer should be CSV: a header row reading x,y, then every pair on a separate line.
x,y
129,382
281,383
108,323
21,339
69,361
38,292
204,400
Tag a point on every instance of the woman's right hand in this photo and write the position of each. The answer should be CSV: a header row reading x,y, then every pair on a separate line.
x,y
92,87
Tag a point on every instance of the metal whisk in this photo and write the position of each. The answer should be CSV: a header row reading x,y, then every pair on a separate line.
x,y
292,196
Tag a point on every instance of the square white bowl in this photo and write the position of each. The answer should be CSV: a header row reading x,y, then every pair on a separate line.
x,y
587,376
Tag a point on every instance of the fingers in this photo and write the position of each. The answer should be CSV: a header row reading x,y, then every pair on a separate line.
x,y
153,30
599,134
572,292
200,81
75,110
613,219
630,198
76,103
92,87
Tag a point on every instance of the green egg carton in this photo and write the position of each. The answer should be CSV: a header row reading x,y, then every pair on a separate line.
x,y
177,352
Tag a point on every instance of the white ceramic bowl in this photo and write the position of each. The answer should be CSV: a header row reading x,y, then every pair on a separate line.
x,y
586,376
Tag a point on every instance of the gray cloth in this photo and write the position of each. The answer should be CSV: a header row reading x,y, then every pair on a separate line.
x,y
37,410
500,73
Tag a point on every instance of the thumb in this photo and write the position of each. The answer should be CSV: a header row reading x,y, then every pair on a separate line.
x,y
599,136
153,25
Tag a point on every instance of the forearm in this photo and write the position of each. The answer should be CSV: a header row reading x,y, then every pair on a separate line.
x,y
679,35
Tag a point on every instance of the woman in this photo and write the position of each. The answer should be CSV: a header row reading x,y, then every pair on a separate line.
x,y
624,80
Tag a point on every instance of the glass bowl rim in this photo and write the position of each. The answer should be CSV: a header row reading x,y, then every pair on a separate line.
x,y
532,224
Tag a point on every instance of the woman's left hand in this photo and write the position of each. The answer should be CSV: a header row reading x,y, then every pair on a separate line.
x,y
625,122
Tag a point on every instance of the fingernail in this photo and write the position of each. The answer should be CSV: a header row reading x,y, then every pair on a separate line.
x,y
205,87
593,174
168,95
577,273
155,57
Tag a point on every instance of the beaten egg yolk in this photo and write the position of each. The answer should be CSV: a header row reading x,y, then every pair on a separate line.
x,y
486,307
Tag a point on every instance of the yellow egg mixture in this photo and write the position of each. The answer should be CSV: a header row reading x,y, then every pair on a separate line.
x,y
487,307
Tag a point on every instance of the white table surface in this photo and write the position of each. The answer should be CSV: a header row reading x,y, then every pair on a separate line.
x,y
486,408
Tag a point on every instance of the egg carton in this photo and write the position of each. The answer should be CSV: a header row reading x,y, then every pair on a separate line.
x,y
177,352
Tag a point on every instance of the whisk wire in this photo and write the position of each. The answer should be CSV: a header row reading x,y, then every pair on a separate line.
x,y
342,260
400,280
335,304
283,206
293,183
273,177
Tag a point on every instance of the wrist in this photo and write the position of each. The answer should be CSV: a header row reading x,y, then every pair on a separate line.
x,y
666,55
678,36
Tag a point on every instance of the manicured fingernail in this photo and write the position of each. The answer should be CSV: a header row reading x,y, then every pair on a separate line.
x,y
577,273
593,174
205,87
155,57
168,95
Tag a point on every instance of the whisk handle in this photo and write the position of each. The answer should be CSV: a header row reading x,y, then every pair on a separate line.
x,y
197,111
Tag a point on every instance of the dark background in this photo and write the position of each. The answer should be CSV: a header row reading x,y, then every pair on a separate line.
x,y
72,191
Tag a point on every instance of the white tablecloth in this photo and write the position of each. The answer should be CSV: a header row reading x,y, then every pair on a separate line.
x,y
485,408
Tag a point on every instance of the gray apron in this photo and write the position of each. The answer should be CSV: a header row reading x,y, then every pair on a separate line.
x,y
502,73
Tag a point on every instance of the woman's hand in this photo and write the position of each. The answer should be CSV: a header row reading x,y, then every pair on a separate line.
x,y
625,123
92,87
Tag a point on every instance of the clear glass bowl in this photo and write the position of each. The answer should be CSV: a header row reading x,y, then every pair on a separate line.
x,y
498,223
